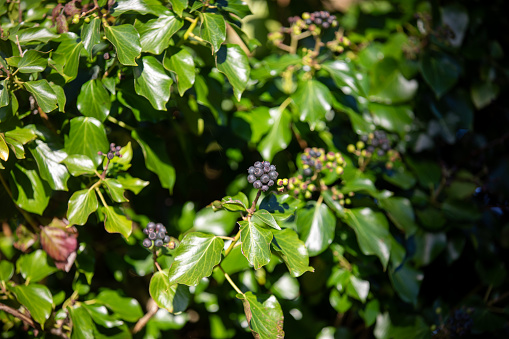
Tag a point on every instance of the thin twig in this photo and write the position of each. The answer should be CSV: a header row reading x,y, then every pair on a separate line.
x,y
152,309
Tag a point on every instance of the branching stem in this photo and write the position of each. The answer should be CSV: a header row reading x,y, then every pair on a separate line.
x,y
235,287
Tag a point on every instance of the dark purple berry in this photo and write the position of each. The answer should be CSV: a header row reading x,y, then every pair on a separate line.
x,y
251,170
258,172
166,239
307,172
110,155
273,175
161,235
151,226
146,231
251,178
258,164
265,178
152,235
270,183
266,164
257,184
158,243
272,168
265,188
147,243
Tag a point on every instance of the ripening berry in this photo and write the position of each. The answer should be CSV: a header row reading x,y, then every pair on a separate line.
x,y
251,178
257,184
264,178
167,239
273,175
360,145
265,188
158,243
152,235
161,235
350,148
147,243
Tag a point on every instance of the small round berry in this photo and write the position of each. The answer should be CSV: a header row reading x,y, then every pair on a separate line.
x,y
161,235
350,148
160,227
147,243
152,235
251,170
307,172
158,243
270,183
266,164
258,172
265,178
266,169
146,231
273,175
151,226
258,164
265,188
251,178
166,239
257,184
272,168
110,155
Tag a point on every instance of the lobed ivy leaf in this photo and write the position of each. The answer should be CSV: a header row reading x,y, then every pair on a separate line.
x,y
87,136
279,136
100,316
82,325
79,164
393,118
28,190
388,85
406,281
440,71
237,7
344,77
179,6
400,211
32,62
18,137
35,35
48,159
125,308
90,34
293,251
238,202
37,299
155,34
139,6
61,244
34,266
213,30
115,190
182,63
152,82
43,93
313,101
126,40
94,100
81,204
216,222
135,185
65,59
195,258
173,297
256,239
232,61
281,207
61,99
264,217
265,317
6,270
116,222
316,225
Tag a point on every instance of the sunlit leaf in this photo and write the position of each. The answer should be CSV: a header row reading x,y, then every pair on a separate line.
x,y
173,297
293,251
37,299
81,205
152,82
213,30
126,40
265,317
256,239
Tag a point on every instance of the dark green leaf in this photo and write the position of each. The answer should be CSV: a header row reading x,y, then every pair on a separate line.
x,y
342,74
32,62
99,314
393,118
281,207
115,190
334,205
293,251
65,60
313,101
94,100
316,225
4,94
37,299
152,82
79,164
256,239
81,204
428,247
87,137
173,297
126,40
232,61
156,158
252,125
34,266
372,230
265,319
388,85
182,64
264,217
196,256
416,328
28,190
135,185
33,35
235,261
237,7
401,213
279,136
483,94
407,282
49,163
126,308
179,6
155,34
43,93
116,222
61,99
440,71
6,270
90,35
83,326
213,30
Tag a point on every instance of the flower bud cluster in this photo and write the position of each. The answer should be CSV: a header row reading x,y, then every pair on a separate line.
x,y
262,175
339,44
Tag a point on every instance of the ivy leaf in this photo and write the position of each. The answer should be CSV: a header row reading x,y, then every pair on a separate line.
x,y
407,282
90,34
43,93
152,82
82,325
94,100
232,61
6,270
4,149
156,158
28,190
18,137
265,319
116,222
126,308
179,6
256,239
343,77
60,243
4,94
86,136
79,164
372,230
400,211
61,99
316,225
33,35
140,6
81,204
312,102
65,60
293,251
115,190
216,222
182,63
32,61
396,118
155,34
281,207
126,40
196,256
213,30
34,266
37,299
173,297
49,160
388,85
440,71
237,7
238,202
135,185
99,314
264,217
279,136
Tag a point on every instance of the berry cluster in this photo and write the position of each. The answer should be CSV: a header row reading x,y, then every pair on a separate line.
x,y
262,175
315,159
321,19
459,323
114,152
375,145
156,234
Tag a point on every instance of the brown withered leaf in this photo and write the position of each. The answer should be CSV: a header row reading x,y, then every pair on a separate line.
x,y
61,244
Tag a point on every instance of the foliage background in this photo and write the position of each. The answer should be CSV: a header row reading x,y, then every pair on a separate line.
x,y
420,244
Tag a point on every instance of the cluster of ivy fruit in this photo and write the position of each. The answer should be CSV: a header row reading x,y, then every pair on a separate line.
x,y
262,175
375,145
114,152
156,235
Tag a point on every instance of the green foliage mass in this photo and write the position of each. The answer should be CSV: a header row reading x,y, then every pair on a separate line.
x,y
386,122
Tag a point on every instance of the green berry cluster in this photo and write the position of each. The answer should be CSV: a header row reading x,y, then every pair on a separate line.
x,y
156,235
114,152
343,199
262,175
375,145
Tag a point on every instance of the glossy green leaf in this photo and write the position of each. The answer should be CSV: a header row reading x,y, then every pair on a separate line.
x,y
79,164
49,160
388,85
279,136
37,299
126,40
256,239
61,98
440,70
407,282
115,190
265,317
6,270
372,230
232,61
156,158
252,125
179,6
139,6
135,185
414,327
358,288
4,149
428,247
359,183
87,136
81,204
43,93
213,30
125,308
90,34
293,251
94,100
216,222
173,297
32,61
29,36
316,225
34,266
393,118
334,205
264,217
182,63
313,101
21,135
238,202
28,190
483,94
238,7
155,34
152,82
400,212
344,77
99,314
235,261
4,94
196,256
83,326
116,222
281,206
65,60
